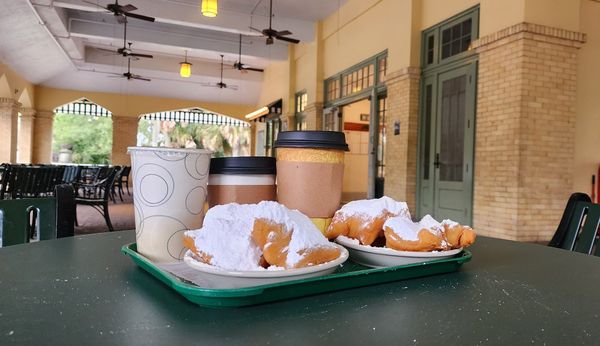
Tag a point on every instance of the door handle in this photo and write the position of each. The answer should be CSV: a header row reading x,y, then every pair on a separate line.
x,y
436,162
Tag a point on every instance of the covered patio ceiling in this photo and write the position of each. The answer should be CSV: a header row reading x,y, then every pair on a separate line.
x,y
67,43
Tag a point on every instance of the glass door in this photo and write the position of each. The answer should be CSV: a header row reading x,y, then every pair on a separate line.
x,y
447,134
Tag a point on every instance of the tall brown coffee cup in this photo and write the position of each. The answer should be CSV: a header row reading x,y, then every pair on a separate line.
x,y
310,171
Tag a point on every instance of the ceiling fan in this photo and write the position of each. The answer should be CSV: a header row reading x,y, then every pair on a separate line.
x,y
271,33
243,67
122,11
126,49
221,84
130,75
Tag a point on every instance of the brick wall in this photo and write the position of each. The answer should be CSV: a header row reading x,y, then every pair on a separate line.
x,y
125,130
8,129
42,136
401,155
524,130
314,116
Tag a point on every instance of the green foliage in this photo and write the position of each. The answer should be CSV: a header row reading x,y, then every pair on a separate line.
x,y
223,140
89,136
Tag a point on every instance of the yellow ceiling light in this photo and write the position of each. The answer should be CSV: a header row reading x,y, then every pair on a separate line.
x,y
185,68
209,8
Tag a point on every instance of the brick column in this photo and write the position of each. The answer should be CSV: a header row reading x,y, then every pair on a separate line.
x,y
314,116
525,130
125,130
25,138
42,136
9,116
401,156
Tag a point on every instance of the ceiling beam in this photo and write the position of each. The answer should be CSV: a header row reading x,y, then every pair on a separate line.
x,y
188,14
189,38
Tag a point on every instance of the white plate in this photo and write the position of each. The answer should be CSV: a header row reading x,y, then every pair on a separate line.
x,y
379,257
220,278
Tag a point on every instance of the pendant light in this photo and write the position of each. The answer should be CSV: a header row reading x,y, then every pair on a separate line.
x,y
209,8
185,69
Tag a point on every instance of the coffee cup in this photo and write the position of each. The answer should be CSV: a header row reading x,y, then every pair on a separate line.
x,y
310,171
169,192
243,180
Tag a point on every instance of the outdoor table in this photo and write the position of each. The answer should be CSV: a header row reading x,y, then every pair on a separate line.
x,y
82,290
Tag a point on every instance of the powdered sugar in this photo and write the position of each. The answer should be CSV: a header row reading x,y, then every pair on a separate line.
x,y
408,230
227,234
372,208
404,228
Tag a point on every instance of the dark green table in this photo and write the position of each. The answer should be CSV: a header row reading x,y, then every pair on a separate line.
x,y
83,291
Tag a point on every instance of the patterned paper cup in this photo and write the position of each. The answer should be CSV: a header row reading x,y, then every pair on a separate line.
x,y
169,188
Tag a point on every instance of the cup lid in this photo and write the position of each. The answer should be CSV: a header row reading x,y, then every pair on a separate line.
x,y
311,139
243,165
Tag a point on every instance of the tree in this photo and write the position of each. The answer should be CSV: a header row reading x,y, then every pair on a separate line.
x,y
89,136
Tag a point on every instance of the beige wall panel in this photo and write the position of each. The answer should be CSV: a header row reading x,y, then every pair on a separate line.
x,y
306,71
132,105
276,84
384,25
563,14
16,82
587,124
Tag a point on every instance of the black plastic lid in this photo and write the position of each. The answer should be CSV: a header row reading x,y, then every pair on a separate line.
x,y
242,165
312,139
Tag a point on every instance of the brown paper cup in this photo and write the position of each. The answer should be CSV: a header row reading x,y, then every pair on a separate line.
x,y
242,189
310,180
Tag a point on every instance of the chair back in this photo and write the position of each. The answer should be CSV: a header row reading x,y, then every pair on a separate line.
x,y
21,218
125,172
65,210
582,233
563,227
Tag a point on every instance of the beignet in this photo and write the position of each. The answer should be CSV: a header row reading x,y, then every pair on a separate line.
x,y
363,220
255,236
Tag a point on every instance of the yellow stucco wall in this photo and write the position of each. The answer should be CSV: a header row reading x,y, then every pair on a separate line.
x,y
16,87
130,105
587,123
276,85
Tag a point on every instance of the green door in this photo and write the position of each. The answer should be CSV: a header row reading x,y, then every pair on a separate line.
x,y
446,144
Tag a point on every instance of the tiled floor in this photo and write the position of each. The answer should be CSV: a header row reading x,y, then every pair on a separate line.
x,y
121,215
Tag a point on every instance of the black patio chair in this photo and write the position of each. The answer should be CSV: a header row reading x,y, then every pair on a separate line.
x,y
578,228
122,180
28,219
97,195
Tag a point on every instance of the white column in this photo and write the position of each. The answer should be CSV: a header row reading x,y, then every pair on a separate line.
x,y
9,112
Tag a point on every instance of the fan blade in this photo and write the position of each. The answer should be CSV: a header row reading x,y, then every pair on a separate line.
x,y
232,87
284,32
255,29
253,69
141,55
140,78
287,39
128,7
139,16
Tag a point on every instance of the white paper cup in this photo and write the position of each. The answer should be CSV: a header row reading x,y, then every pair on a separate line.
x,y
169,191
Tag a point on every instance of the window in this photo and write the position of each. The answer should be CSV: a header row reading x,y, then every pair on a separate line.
x,y
456,39
451,39
358,78
300,115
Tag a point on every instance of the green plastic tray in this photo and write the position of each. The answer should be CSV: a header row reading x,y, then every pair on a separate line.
x,y
348,275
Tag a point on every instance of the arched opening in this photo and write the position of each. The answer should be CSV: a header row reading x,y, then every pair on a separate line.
x,y
195,128
82,133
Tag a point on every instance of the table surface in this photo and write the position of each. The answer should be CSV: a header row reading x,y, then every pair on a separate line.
x,y
83,290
